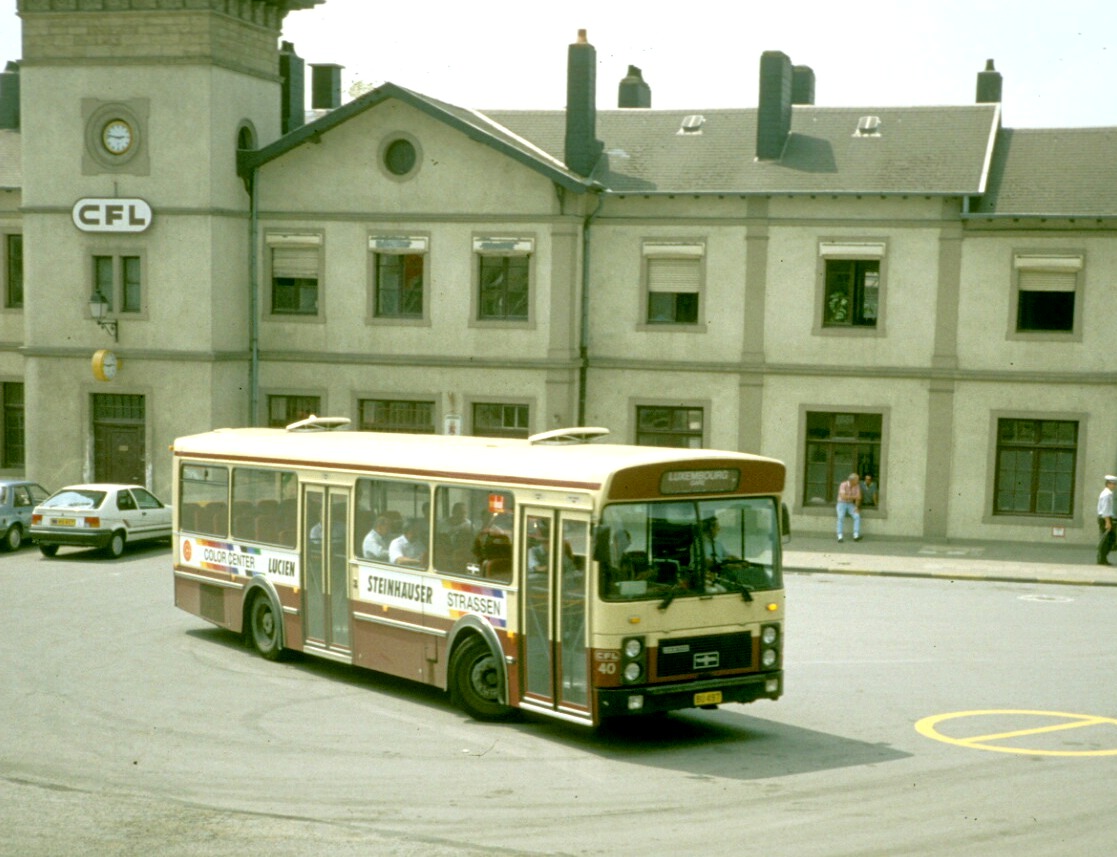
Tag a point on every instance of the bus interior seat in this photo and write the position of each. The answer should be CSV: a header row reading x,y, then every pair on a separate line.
x,y
634,565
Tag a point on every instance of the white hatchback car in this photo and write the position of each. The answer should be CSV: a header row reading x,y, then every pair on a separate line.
x,y
101,515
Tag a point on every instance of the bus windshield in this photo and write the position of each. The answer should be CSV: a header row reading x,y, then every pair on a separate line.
x,y
676,549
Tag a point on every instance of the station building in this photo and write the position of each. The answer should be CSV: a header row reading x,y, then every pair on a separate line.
x,y
913,292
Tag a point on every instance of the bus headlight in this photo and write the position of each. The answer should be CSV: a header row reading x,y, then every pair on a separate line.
x,y
769,647
634,660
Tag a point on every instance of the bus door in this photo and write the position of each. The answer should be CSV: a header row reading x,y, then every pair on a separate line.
x,y
555,562
326,566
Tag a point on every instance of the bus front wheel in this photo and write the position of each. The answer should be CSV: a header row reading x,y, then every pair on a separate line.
x,y
475,681
263,628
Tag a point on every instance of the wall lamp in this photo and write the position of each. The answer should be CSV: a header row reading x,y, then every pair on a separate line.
x,y
98,309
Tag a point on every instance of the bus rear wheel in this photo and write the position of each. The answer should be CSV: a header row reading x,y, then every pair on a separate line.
x,y
475,681
263,628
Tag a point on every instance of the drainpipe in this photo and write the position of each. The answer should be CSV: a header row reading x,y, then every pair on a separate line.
x,y
584,331
253,303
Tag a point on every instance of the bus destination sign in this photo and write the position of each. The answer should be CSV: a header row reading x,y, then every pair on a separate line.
x,y
699,481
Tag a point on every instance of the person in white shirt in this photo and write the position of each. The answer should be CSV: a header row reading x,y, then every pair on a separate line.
x,y
378,540
409,548
1106,533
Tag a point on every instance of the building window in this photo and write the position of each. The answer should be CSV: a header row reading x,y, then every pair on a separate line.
x,y
397,416
504,285
1045,292
851,283
13,425
400,157
838,444
13,271
398,283
295,266
284,410
852,293
1036,462
117,280
661,426
493,419
673,276
504,278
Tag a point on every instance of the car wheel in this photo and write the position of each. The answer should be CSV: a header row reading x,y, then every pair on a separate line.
x,y
48,550
14,538
115,547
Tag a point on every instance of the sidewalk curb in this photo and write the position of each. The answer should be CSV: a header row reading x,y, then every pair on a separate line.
x,y
973,576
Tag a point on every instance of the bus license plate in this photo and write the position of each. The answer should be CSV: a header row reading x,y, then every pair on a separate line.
x,y
710,697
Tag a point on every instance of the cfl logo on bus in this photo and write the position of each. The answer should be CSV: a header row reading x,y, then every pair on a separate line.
x,y
706,660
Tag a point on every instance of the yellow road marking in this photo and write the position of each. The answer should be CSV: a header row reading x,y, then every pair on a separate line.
x,y
928,727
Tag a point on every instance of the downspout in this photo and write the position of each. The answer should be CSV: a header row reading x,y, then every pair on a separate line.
x,y
253,303
584,328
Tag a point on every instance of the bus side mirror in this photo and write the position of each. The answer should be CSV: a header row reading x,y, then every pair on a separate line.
x,y
785,523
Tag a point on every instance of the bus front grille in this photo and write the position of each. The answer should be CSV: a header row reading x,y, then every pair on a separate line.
x,y
714,653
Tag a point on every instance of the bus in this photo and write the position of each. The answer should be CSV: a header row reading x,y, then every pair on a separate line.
x,y
559,574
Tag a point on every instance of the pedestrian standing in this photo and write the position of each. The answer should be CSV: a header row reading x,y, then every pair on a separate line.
x,y
849,503
868,491
1106,532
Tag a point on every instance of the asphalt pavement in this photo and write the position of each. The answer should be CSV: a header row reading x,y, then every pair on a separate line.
x,y
1045,562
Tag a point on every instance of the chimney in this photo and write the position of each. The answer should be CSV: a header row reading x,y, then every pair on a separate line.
x,y
582,146
989,85
773,116
802,84
292,74
9,97
633,91
325,86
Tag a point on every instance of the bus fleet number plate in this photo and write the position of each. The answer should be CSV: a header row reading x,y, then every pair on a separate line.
x,y
712,697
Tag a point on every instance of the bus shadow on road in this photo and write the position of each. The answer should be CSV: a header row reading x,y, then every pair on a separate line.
x,y
724,744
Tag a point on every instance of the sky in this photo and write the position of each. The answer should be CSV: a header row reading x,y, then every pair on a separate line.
x,y
1058,60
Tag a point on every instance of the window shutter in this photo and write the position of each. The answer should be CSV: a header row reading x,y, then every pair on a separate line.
x,y
504,246
1047,281
300,263
1048,273
400,245
674,275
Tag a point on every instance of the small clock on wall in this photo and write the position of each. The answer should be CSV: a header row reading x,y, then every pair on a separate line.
x,y
105,364
117,136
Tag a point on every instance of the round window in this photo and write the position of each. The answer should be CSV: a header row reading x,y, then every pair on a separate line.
x,y
399,157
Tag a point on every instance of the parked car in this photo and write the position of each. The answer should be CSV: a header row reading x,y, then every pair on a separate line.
x,y
18,498
101,515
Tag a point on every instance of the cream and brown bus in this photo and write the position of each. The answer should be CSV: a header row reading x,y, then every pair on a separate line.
x,y
560,574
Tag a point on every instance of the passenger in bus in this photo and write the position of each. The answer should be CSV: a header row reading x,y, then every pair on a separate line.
x,y
456,530
409,548
378,540
538,551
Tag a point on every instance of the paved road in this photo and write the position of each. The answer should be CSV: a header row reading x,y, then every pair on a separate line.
x,y
132,729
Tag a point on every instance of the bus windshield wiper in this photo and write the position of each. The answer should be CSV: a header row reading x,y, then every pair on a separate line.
x,y
671,594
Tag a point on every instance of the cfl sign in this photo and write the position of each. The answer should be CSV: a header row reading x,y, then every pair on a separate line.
x,y
111,215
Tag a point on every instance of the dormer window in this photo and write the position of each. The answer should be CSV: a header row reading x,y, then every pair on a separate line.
x,y
868,126
692,124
